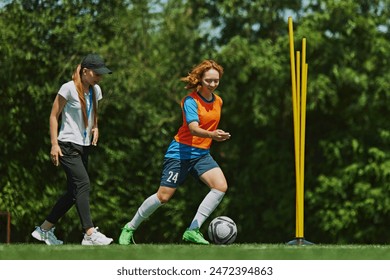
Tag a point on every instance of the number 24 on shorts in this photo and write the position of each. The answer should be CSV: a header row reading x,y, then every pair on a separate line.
x,y
172,177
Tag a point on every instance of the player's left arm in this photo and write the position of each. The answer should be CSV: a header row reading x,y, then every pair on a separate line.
x,y
95,128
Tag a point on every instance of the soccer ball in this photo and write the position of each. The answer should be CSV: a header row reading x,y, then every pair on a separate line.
x,y
222,230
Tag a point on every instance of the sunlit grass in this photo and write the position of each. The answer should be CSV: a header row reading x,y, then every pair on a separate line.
x,y
194,252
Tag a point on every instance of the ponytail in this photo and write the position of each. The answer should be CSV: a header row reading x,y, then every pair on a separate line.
x,y
76,77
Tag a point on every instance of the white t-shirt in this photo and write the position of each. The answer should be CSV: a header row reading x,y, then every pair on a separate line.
x,y
72,126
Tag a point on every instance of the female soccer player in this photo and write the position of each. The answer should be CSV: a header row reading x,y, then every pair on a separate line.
x,y
189,153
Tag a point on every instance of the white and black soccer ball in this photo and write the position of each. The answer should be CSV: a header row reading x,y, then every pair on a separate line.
x,y
222,230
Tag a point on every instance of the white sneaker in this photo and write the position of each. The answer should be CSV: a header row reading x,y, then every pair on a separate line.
x,y
96,238
47,236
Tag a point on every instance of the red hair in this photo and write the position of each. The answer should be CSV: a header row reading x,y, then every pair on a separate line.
x,y
194,78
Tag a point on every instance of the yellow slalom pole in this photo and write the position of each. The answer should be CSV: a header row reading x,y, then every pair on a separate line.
x,y
299,74
300,193
297,141
298,71
294,101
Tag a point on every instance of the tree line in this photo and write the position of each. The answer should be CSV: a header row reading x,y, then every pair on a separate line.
x,y
151,44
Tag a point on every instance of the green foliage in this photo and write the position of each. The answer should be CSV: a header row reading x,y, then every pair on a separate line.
x,y
150,45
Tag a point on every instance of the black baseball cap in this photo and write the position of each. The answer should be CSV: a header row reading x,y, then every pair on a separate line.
x,y
96,63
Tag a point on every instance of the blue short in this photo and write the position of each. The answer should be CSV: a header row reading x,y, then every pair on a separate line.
x,y
175,171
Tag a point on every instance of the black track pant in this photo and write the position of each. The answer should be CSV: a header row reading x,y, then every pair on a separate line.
x,y
74,161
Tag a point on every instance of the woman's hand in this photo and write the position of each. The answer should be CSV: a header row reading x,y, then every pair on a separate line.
x,y
95,136
55,154
220,135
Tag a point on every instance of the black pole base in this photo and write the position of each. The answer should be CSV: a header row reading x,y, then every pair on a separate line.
x,y
300,241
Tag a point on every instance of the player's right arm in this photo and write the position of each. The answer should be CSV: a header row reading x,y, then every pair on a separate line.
x,y
58,106
192,119
217,135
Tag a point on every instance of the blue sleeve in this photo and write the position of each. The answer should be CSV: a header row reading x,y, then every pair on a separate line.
x,y
190,109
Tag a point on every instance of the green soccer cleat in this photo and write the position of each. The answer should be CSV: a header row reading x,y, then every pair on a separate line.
x,y
194,236
126,236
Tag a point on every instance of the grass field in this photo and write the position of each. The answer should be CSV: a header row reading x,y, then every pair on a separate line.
x,y
194,252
